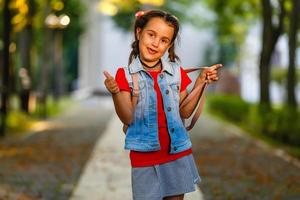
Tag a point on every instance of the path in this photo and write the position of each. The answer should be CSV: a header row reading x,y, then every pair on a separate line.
x,y
107,173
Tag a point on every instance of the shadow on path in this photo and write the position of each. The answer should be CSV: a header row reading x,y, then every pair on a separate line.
x,y
47,164
235,166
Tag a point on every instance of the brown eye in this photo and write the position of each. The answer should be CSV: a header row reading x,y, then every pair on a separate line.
x,y
151,34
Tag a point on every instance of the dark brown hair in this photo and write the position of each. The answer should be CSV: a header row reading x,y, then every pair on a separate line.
x,y
142,20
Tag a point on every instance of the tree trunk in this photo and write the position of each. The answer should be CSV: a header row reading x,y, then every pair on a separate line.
x,y
25,75
59,85
45,72
294,17
270,37
25,53
5,75
45,66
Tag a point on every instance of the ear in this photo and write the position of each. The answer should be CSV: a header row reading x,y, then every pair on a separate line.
x,y
138,32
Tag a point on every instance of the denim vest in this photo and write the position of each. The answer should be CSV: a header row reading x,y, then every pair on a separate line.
x,y
142,133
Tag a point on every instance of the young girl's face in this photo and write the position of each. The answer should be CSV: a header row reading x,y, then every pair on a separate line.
x,y
154,40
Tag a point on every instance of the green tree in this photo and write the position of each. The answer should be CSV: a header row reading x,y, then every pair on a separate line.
x,y
126,10
232,21
45,36
23,23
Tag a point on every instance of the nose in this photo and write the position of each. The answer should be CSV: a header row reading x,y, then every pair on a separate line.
x,y
155,42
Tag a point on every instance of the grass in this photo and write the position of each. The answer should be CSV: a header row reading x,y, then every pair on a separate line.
x,y
292,150
19,123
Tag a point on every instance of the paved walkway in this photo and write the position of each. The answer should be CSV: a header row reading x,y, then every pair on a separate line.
x,y
107,173
80,156
234,165
46,163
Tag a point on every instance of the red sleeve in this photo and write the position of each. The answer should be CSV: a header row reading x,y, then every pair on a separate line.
x,y
185,80
121,80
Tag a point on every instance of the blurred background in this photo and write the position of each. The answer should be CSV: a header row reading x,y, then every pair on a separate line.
x,y
53,53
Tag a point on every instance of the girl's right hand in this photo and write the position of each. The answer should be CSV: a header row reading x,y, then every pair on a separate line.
x,y
110,83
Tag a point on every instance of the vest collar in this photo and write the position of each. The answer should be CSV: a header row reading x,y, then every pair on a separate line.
x,y
137,66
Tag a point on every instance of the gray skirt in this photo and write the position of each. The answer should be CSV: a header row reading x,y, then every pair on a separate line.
x,y
167,179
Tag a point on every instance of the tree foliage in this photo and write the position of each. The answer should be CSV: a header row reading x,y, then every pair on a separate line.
x,y
232,22
229,19
30,38
182,9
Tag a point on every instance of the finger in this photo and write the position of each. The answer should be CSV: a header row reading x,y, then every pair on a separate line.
x,y
109,82
211,79
212,70
212,73
213,76
107,75
216,66
208,78
106,83
114,83
115,87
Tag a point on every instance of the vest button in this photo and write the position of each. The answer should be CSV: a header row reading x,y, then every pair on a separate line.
x,y
172,130
175,148
167,91
169,109
161,75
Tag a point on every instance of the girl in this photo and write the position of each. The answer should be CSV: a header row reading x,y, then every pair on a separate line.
x,y
161,156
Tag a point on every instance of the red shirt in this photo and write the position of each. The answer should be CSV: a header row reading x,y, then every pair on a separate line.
x,y
143,159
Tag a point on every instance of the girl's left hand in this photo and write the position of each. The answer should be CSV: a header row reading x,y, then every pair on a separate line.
x,y
209,74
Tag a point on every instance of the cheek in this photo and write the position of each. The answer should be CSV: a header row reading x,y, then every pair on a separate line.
x,y
164,48
145,40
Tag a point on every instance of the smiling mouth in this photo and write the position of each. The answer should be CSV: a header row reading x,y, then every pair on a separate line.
x,y
151,51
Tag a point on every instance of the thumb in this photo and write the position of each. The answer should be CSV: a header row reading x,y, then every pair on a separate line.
x,y
107,75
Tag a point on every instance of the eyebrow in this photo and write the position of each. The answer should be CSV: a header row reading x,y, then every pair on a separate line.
x,y
164,37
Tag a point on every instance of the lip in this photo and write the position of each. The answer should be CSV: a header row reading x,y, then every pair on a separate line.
x,y
151,51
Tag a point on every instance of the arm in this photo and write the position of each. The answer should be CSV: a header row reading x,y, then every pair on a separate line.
x,y
208,75
123,106
187,110
121,99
